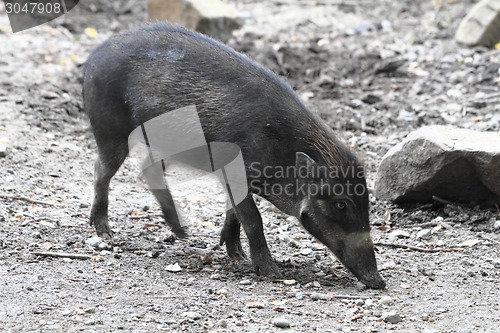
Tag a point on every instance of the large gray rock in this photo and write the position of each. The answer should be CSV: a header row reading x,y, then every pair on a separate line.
x,y
454,164
211,17
481,26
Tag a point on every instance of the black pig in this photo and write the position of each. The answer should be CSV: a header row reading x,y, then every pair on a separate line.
x,y
292,159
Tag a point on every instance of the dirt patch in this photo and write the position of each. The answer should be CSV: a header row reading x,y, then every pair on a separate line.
x,y
373,70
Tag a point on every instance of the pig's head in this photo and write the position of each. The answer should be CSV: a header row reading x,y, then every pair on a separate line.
x,y
335,211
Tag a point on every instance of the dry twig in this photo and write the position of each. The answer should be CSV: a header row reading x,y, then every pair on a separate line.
x,y
23,198
489,239
419,249
62,255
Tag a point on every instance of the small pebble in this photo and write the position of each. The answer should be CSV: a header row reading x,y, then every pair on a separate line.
x,y
281,322
222,291
391,317
496,226
398,234
424,233
66,312
191,315
90,322
245,282
359,302
385,300
4,146
173,268
319,296
320,274
305,251
102,246
368,302
222,323
360,286
94,241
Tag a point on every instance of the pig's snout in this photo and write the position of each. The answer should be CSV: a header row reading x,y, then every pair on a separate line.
x,y
358,255
374,281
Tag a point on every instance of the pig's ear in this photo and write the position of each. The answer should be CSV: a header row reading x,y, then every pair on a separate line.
x,y
304,162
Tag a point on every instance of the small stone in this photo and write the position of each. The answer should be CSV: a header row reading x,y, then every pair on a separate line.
x,y
4,146
454,108
289,282
94,241
90,310
388,265
49,95
222,292
66,312
305,251
424,317
102,246
359,302
245,282
424,233
281,322
222,323
391,317
406,116
496,225
440,242
215,276
320,274
173,268
398,234
368,302
385,300
320,296
360,286
191,315
454,93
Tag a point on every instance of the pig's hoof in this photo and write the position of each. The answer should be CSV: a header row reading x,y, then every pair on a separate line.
x,y
237,253
104,231
269,269
180,232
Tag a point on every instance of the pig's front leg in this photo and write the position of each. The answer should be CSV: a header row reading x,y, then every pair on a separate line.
x,y
249,216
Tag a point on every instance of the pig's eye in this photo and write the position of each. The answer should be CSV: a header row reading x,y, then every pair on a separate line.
x,y
340,205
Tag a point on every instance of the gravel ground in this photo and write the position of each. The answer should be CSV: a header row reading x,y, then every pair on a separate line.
x,y
373,70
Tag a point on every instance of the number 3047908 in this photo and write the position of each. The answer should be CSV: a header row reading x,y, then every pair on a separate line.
x,y
33,7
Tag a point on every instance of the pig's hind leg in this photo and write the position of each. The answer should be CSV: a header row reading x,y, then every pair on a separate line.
x,y
230,235
158,186
110,158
